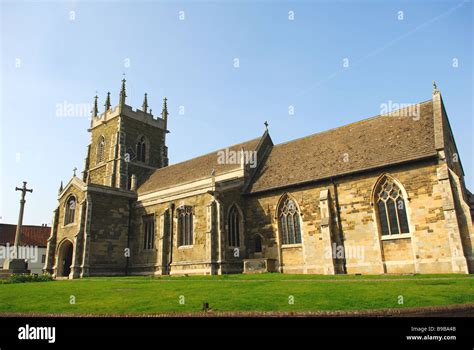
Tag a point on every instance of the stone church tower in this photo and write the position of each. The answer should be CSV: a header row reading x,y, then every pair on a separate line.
x,y
125,143
91,225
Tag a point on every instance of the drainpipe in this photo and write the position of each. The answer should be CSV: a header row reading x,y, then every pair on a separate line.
x,y
339,224
127,258
170,252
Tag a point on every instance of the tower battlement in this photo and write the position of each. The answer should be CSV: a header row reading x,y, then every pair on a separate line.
x,y
129,112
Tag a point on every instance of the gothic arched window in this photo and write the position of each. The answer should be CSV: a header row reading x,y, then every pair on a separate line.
x,y
100,149
185,225
391,208
233,225
148,232
70,210
141,149
289,222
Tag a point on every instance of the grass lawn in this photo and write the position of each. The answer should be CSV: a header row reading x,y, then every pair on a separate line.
x,y
264,292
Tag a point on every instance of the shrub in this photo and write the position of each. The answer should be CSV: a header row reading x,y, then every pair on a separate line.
x,y
22,278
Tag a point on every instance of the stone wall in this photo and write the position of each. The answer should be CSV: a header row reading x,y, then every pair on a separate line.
x,y
155,137
261,219
101,172
207,254
426,250
109,231
184,260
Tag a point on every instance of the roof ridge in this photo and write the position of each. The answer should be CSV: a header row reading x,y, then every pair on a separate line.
x,y
207,154
38,226
353,123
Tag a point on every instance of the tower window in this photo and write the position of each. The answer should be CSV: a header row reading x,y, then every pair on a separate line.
x,y
185,225
100,150
141,150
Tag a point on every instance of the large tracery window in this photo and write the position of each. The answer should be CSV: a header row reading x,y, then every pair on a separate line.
x,y
185,225
141,149
234,227
289,222
391,208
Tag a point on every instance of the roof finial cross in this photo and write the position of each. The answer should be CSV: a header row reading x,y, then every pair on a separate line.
x,y
74,170
435,88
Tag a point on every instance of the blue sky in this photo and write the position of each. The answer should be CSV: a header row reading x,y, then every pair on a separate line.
x,y
51,56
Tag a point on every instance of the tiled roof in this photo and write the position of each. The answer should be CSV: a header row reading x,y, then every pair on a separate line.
x,y
193,169
31,235
370,143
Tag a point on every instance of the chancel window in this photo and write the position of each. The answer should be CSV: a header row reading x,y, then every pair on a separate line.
x,y
185,225
234,227
101,149
391,208
70,210
141,149
289,222
149,232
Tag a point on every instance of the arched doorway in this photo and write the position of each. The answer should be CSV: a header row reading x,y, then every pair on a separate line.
x,y
65,259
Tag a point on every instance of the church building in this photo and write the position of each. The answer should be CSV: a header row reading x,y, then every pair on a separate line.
x,y
384,195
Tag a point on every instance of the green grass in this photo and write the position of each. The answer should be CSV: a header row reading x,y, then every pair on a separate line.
x,y
265,292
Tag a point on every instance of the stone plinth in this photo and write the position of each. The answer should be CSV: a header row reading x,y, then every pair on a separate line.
x,y
259,265
13,266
